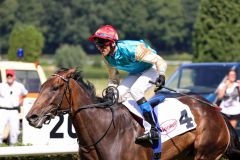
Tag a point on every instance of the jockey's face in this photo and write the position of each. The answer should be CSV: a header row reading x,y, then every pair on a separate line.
x,y
104,46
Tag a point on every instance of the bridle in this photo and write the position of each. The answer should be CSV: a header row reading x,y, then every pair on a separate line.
x,y
57,110
67,88
106,104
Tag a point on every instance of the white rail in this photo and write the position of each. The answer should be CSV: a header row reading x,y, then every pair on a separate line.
x,y
37,150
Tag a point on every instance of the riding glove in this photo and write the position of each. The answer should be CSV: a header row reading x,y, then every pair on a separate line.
x,y
160,81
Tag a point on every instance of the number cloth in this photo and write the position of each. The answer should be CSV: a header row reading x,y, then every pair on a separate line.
x,y
174,117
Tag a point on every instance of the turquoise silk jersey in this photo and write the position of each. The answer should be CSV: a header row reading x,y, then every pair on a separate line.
x,y
124,58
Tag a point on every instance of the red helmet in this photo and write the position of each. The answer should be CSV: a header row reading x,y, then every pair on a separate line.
x,y
105,32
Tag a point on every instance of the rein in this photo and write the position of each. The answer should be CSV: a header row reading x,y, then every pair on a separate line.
x,y
98,105
103,105
183,94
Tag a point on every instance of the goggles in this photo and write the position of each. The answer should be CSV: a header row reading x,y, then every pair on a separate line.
x,y
102,42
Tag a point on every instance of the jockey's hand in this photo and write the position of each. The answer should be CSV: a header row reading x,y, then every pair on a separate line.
x,y
111,94
160,81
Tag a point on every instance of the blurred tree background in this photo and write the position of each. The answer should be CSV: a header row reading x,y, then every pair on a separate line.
x,y
71,22
28,38
217,31
74,54
167,25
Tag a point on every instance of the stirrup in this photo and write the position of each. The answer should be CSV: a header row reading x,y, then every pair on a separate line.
x,y
148,137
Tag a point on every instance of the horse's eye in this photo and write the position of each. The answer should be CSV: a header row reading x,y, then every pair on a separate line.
x,y
55,88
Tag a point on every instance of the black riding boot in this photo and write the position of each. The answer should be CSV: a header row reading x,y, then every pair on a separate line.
x,y
147,114
153,134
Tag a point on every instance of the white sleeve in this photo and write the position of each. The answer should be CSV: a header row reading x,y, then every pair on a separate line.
x,y
146,55
24,91
221,86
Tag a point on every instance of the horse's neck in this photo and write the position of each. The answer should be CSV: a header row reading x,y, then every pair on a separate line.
x,y
92,123
80,97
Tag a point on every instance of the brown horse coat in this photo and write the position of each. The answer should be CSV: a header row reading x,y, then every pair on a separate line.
x,y
108,141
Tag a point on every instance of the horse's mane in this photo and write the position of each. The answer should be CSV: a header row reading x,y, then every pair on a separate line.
x,y
124,117
86,85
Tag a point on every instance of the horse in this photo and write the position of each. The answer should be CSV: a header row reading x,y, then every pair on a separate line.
x,y
108,132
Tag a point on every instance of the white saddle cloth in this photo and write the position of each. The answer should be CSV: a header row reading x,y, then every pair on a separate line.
x,y
174,117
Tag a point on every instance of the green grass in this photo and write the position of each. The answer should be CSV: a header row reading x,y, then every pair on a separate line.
x,y
95,72
99,83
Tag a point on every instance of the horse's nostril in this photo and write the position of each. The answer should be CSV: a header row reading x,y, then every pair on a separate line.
x,y
33,118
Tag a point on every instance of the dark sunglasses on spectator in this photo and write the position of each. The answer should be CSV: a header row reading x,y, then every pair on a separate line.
x,y
102,42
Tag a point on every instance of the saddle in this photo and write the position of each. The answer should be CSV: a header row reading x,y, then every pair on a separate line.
x,y
156,99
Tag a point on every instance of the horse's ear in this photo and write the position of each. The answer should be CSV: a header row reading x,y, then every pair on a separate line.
x,y
71,72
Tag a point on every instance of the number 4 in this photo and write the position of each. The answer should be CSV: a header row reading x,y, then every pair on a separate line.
x,y
185,119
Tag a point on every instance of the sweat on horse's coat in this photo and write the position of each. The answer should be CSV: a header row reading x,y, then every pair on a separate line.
x,y
110,132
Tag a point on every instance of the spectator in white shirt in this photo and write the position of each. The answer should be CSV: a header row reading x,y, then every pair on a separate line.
x,y
228,93
11,98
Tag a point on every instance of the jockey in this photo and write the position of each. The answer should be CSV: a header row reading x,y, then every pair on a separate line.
x,y
140,61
